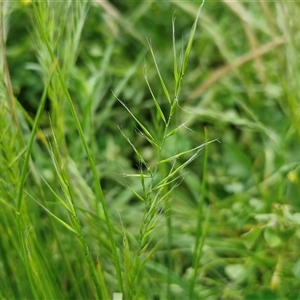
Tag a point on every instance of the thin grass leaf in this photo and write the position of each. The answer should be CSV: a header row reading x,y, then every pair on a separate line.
x,y
136,175
62,202
171,174
199,237
8,205
166,195
127,263
30,144
16,158
67,226
186,152
136,194
187,52
61,173
4,65
134,149
147,231
176,130
120,86
101,278
153,97
178,178
145,137
143,181
176,73
159,75
134,117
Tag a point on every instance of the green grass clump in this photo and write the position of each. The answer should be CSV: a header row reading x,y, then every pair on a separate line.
x,y
143,158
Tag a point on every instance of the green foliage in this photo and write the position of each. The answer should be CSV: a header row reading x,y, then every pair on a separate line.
x,y
149,150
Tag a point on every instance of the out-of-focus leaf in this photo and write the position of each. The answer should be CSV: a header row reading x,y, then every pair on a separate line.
x,y
251,236
292,193
271,237
234,272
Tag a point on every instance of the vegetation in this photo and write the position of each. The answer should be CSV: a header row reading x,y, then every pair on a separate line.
x,y
149,150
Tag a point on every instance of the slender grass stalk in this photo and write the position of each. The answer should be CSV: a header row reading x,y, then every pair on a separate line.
x,y
200,232
5,64
29,147
98,189
179,76
22,182
75,227
168,217
160,192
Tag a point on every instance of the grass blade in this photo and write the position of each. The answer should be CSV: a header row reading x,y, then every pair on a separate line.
x,y
159,75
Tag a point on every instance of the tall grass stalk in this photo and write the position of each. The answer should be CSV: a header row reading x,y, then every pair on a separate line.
x,y
98,189
4,7
201,227
164,177
19,214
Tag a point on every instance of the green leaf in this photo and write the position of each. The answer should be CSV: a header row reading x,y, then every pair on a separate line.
x,y
271,237
296,269
249,238
235,271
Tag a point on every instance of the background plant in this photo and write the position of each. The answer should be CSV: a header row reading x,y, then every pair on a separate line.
x,y
229,230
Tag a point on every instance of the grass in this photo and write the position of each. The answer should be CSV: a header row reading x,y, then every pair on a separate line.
x,y
149,158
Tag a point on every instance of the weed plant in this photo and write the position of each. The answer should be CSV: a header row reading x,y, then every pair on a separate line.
x,y
142,159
